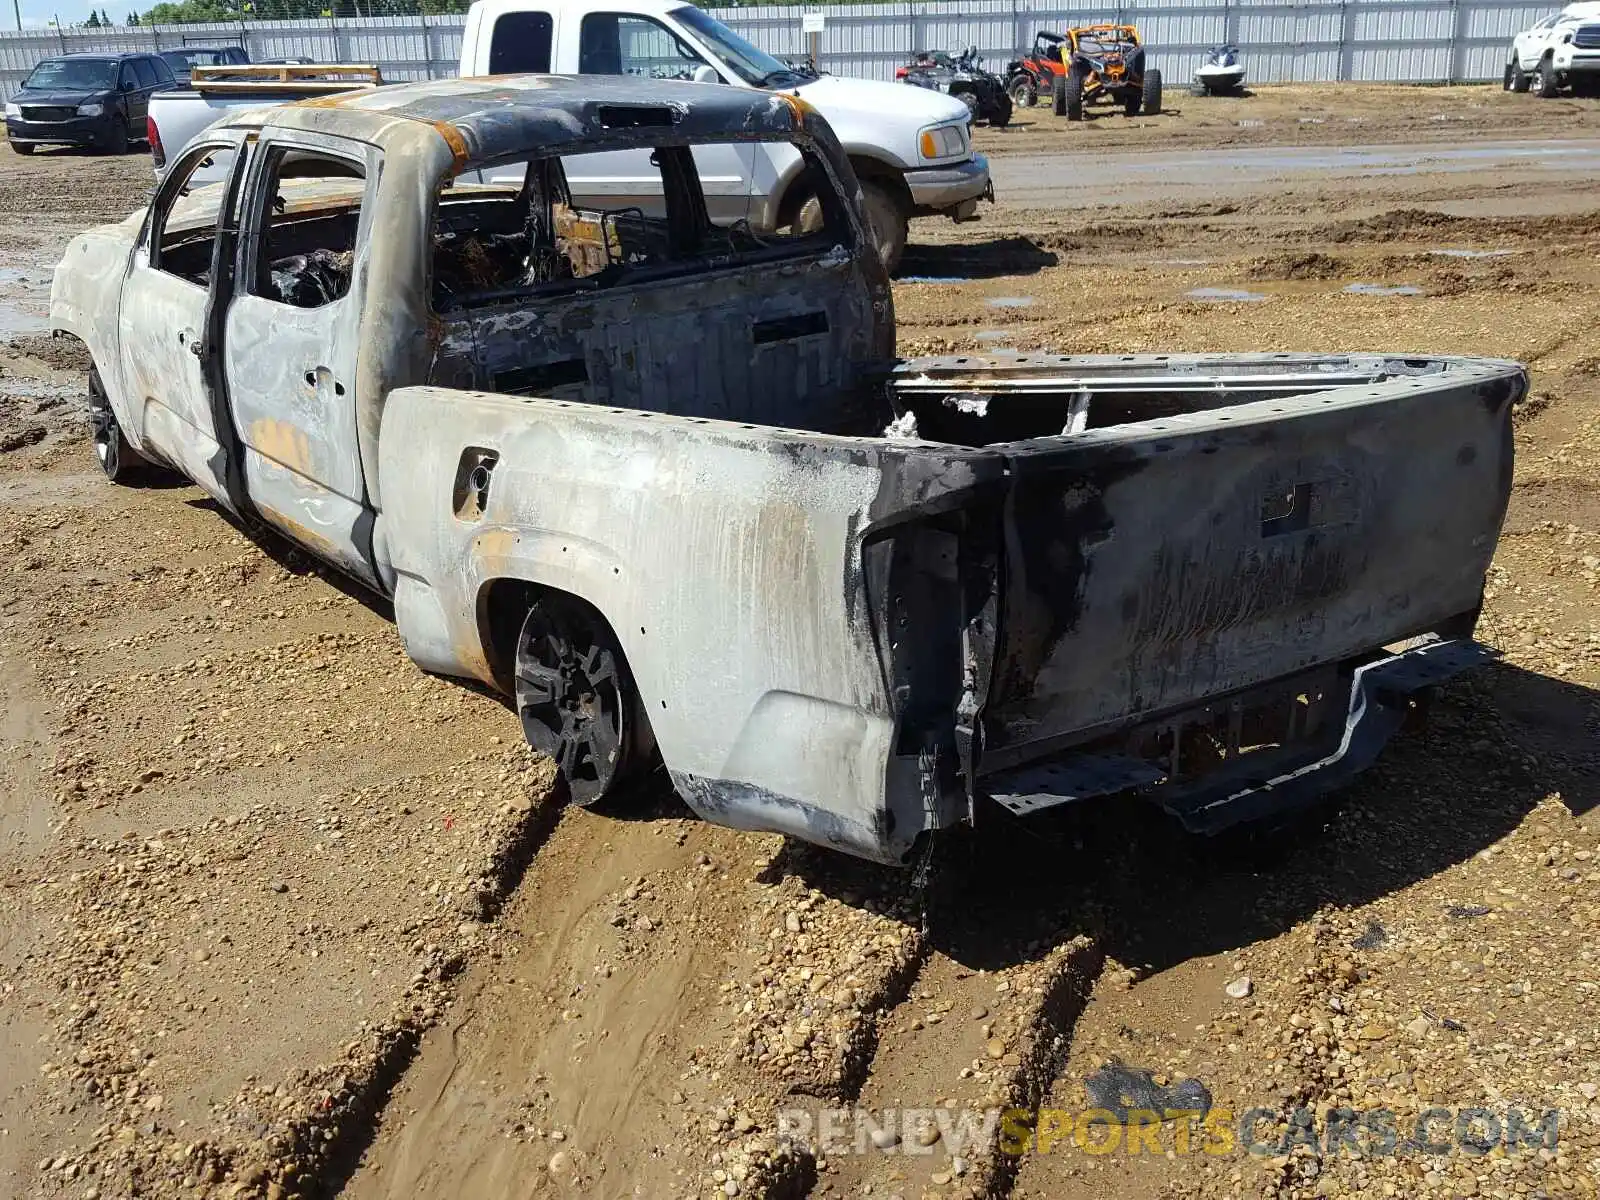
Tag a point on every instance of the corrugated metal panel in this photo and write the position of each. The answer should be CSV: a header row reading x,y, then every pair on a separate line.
x,y
1283,40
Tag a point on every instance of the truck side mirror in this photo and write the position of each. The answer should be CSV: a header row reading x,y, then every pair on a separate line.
x,y
705,74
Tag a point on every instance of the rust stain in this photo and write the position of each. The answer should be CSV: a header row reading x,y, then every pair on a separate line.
x,y
282,443
494,545
334,100
457,143
799,108
312,539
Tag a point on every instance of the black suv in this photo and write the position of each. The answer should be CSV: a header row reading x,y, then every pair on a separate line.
x,y
86,100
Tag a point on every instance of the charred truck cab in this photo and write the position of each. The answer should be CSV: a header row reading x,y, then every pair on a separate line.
x,y
633,468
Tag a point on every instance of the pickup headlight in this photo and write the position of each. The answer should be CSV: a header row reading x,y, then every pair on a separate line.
x,y
944,141
13,110
91,110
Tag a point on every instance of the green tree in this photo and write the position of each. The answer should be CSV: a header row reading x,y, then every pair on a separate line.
x,y
133,18
94,20
188,12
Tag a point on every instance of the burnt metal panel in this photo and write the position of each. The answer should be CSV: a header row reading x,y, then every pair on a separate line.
x,y
1148,565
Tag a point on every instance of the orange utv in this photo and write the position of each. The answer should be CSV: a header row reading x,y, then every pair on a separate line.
x,y
1105,63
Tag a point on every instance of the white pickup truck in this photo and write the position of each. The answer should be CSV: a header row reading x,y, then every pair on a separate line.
x,y
911,148
660,482
1560,51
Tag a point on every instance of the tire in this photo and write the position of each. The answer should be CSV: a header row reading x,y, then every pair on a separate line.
x,y
1150,99
809,218
1058,95
971,101
117,140
879,207
577,702
1001,116
1130,103
121,463
1520,80
1071,103
22,147
887,223
1022,91
1544,81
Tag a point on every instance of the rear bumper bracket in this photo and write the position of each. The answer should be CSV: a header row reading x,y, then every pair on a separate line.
x,y
1379,692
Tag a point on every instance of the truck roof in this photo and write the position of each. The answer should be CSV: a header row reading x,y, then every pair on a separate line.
x,y
489,118
492,9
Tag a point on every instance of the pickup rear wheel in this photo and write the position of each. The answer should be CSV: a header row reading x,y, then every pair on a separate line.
x,y
1517,80
577,700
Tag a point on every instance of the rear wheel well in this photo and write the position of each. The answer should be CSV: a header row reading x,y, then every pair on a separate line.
x,y
559,660
502,606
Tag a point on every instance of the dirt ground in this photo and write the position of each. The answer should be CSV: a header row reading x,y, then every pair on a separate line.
x,y
280,915
1297,115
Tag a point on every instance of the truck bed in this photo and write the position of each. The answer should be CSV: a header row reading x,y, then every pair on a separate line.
x,y
1198,574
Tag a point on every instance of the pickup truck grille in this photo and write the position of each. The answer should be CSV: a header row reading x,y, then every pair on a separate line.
x,y
47,113
1587,37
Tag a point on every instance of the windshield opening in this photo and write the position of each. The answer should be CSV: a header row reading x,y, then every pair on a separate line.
x,y
750,63
82,73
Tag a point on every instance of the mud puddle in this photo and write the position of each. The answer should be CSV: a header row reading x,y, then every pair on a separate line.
x,y
1221,295
17,317
1382,289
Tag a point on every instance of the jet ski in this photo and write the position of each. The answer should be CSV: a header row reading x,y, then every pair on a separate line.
x,y
1222,72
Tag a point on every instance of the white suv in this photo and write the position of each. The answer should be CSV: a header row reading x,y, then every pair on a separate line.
x,y
1561,51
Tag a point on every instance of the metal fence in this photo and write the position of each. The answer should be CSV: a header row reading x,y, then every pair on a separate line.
x,y
1411,41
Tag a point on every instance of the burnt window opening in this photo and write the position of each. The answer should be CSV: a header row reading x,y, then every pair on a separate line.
x,y
583,222
304,254
183,231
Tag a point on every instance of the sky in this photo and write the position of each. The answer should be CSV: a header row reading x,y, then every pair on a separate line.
x,y
38,13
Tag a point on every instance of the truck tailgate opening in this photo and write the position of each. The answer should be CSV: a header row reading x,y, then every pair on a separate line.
x,y
1217,544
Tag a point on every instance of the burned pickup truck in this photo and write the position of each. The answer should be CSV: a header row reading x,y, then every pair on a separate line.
x,y
660,480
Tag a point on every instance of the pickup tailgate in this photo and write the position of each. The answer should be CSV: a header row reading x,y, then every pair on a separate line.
x,y
1152,565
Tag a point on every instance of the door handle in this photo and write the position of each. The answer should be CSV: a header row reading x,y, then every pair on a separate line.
x,y
314,380
187,339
